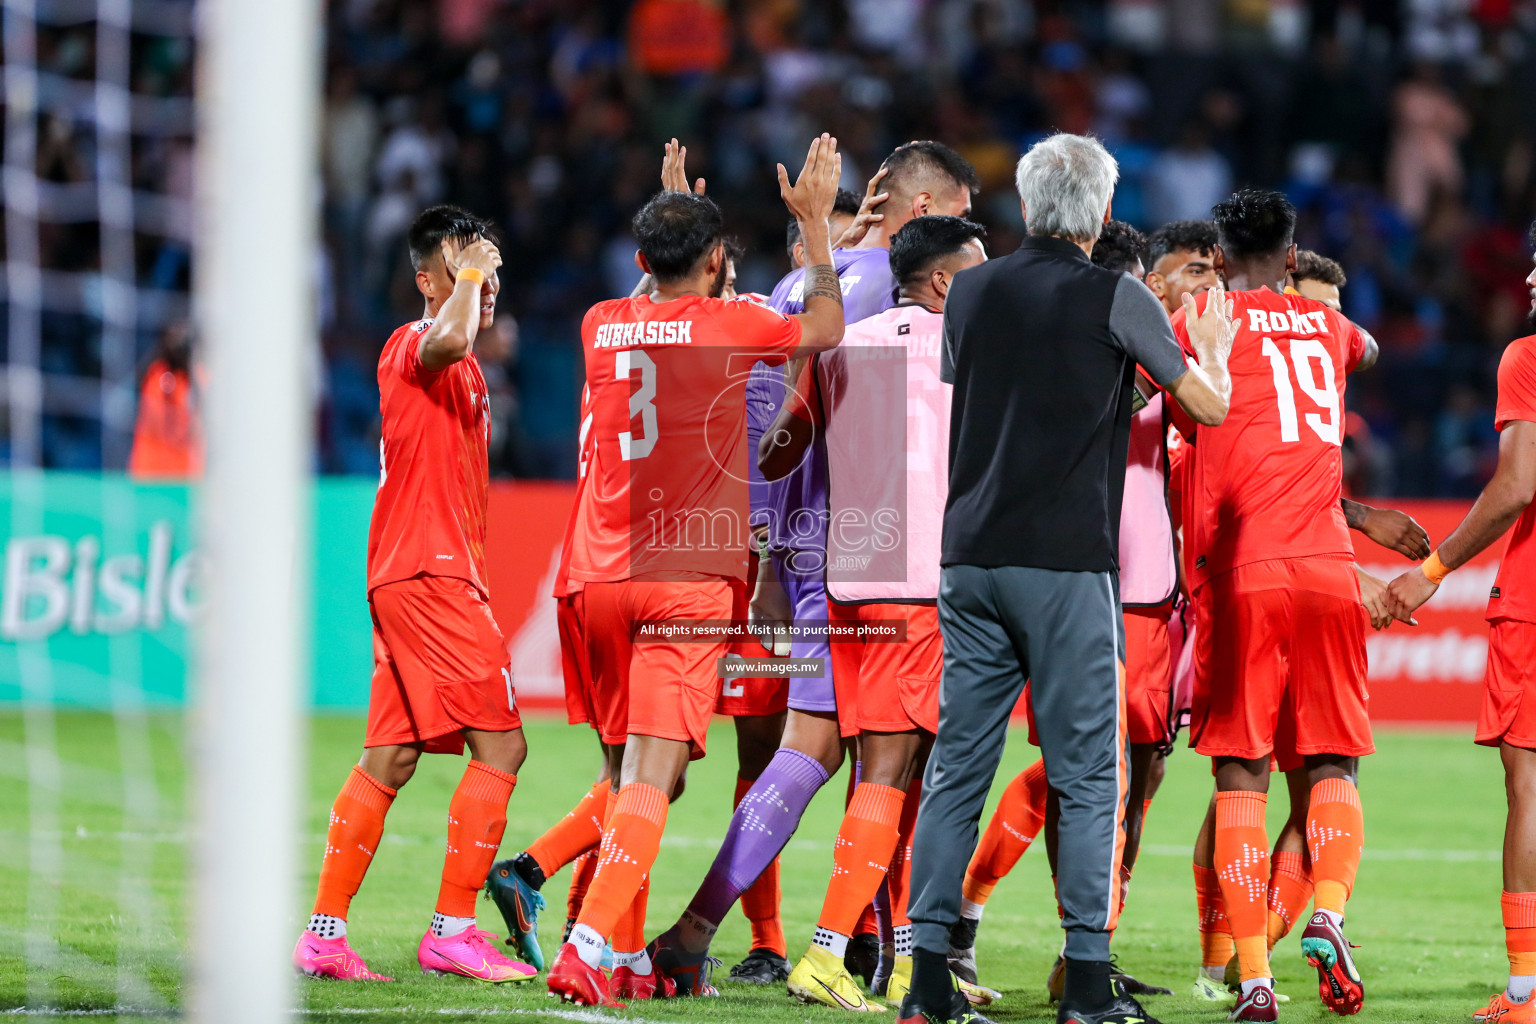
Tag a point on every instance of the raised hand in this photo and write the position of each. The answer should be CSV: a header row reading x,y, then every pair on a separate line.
x,y
674,178
811,197
1213,330
866,218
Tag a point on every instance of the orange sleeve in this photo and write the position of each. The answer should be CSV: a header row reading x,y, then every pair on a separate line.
x,y
1356,340
1517,384
758,328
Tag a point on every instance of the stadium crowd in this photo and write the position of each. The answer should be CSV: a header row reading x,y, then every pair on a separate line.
x,y
1402,131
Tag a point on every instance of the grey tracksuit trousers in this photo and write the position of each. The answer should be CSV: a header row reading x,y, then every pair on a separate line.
x,y
1063,632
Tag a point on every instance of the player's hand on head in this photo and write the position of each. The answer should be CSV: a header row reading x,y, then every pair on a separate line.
x,y
481,255
866,217
674,175
811,197
1397,531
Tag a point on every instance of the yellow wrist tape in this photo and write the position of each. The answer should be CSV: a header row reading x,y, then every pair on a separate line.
x,y
1434,569
471,274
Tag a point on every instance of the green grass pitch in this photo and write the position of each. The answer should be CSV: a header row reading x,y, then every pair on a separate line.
x,y
93,869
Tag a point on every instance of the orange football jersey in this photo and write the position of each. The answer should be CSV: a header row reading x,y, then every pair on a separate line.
x,y
1266,483
666,487
1514,591
434,479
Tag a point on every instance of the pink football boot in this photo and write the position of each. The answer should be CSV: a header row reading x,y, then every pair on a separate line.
x,y
331,958
470,954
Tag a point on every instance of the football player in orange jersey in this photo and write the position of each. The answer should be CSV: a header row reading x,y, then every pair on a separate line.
x,y
1270,562
442,676
668,456
1506,721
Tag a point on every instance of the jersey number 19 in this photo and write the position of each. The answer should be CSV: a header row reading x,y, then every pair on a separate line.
x,y
1324,424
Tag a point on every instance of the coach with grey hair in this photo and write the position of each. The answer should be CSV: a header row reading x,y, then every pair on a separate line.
x,y
1042,349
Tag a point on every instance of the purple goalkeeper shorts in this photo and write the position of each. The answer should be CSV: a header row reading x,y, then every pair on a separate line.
x,y
807,593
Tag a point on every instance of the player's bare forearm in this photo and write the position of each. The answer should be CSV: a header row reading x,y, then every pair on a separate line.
x,y
1205,394
1388,527
1369,357
821,325
1507,495
452,334
783,445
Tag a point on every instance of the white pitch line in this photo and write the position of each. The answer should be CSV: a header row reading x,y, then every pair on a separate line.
x,y
1370,853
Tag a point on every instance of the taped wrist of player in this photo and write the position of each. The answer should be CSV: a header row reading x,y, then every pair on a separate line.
x,y
1434,570
471,274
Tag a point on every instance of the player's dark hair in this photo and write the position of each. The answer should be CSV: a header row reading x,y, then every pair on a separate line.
x,y
925,241
676,230
846,203
444,222
1530,237
1120,247
1311,266
1181,236
735,250
914,167
1254,222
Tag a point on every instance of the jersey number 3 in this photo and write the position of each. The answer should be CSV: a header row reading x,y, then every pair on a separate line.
x,y
1324,424
642,403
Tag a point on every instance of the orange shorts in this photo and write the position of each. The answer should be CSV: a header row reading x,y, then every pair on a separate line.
x,y
1282,670
1505,717
746,696
887,687
440,666
660,688
575,668
1148,673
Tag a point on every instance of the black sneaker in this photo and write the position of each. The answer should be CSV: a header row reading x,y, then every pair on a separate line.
x,y
1133,987
761,967
863,957
957,1011
1121,1009
962,949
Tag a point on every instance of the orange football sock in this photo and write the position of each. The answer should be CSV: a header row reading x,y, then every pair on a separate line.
x,y
581,879
1242,865
900,875
1520,932
629,933
1017,821
357,823
576,833
1215,929
1335,837
760,903
477,816
635,821
1290,890
861,855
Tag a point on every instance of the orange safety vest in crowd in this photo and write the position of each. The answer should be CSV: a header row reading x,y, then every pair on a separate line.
x,y
168,437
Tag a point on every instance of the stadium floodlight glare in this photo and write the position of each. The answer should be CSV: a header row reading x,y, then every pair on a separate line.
x,y
257,120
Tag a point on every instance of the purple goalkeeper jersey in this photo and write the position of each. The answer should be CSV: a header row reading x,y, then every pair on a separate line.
x,y
795,507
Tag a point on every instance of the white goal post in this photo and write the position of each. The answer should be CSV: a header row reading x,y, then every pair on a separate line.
x,y
258,101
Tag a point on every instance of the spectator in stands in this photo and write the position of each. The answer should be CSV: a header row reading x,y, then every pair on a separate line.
x,y
168,435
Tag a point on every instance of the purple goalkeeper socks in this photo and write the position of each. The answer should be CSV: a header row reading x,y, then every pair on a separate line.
x,y
764,820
